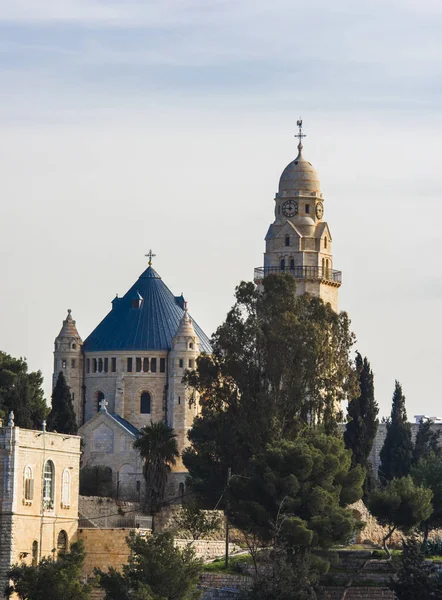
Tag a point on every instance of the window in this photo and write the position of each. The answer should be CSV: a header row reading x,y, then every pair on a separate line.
x,y
191,345
307,209
191,363
34,553
62,541
114,364
99,397
287,240
146,365
145,403
74,346
129,365
325,242
153,365
88,365
73,397
162,365
48,485
106,365
179,399
181,363
292,264
181,488
282,264
28,490
100,365
65,489
63,363
138,365
94,365
73,363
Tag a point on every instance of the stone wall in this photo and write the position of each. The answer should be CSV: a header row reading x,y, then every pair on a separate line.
x,y
106,513
104,548
207,549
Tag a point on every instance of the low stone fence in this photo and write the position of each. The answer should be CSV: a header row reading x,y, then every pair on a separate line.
x,y
356,593
207,549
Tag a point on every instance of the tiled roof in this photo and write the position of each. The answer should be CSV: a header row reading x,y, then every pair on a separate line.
x,y
130,428
151,325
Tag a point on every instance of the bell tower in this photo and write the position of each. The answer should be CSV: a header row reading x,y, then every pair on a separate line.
x,y
68,358
299,242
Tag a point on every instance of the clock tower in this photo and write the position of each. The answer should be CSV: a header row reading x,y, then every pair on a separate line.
x,y
298,241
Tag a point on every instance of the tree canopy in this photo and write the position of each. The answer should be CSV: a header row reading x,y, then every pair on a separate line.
x,y
428,473
51,579
21,392
279,362
158,448
427,440
397,452
362,425
62,416
156,570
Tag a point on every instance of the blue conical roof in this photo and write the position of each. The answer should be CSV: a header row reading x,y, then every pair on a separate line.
x,y
145,318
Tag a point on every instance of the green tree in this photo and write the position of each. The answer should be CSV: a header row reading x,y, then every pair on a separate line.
x,y
156,570
416,577
428,473
397,452
400,505
279,362
51,580
362,425
197,523
427,440
62,416
21,392
296,493
158,448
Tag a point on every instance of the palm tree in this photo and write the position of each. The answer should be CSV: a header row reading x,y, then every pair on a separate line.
x,y
158,448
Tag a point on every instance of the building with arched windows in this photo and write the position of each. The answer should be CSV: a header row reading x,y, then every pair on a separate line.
x,y
39,479
128,373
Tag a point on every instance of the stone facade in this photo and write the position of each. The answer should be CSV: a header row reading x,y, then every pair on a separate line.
x,y
39,481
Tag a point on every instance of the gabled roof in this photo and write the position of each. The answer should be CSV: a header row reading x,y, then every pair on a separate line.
x,y
149,324
128,426
321,228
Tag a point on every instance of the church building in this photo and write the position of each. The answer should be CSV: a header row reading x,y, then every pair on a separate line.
x,y
299,241
128,373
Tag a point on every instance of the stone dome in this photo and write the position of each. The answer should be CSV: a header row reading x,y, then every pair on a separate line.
x,y
299,176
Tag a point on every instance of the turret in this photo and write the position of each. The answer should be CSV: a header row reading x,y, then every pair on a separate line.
x,y
181,411
68,358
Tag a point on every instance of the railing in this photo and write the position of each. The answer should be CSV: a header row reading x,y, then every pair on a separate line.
x,y
300,273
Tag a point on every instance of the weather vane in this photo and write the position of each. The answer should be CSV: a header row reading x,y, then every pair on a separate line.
x,y
150,255
300,135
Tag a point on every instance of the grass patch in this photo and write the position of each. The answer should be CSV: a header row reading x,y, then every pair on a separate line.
x,y
235,564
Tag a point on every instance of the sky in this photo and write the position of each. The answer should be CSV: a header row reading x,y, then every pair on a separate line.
x,y
127,125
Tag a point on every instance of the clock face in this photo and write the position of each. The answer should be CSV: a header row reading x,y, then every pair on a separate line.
x,y
290,208
319,210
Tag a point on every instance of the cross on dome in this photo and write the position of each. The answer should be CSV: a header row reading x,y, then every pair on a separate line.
x,y
150,255
300,135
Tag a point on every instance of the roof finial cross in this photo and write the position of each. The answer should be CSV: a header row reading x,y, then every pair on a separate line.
x,y
150,255
103,405
300,135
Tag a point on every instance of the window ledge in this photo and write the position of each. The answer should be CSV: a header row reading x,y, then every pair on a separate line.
x,y
65,505
27,502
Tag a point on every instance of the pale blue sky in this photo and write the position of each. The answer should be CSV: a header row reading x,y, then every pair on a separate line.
x,y
127,125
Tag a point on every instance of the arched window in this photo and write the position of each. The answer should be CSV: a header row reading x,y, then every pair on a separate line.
x,y
62,541
325,242
282,263
74,346
145,403
99,396
292,264
28,487
34,553
65,489
287,240
48,485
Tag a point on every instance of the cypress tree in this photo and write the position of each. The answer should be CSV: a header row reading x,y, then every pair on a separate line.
x,y
361,429
397,451
427,441
62,415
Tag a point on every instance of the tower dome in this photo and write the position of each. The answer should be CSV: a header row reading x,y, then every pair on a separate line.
x,y
299,176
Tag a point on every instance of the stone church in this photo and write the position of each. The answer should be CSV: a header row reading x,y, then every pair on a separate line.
x,y
128,372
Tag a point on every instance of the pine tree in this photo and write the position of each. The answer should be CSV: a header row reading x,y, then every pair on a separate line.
x,y
397,451
361,429
62,415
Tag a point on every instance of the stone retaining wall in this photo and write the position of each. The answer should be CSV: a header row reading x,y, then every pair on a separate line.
x,y
207,549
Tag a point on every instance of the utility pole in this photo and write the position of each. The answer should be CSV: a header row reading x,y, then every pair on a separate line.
x,y
229,475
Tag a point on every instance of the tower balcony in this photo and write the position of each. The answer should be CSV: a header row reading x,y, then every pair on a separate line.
x,y
311,273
